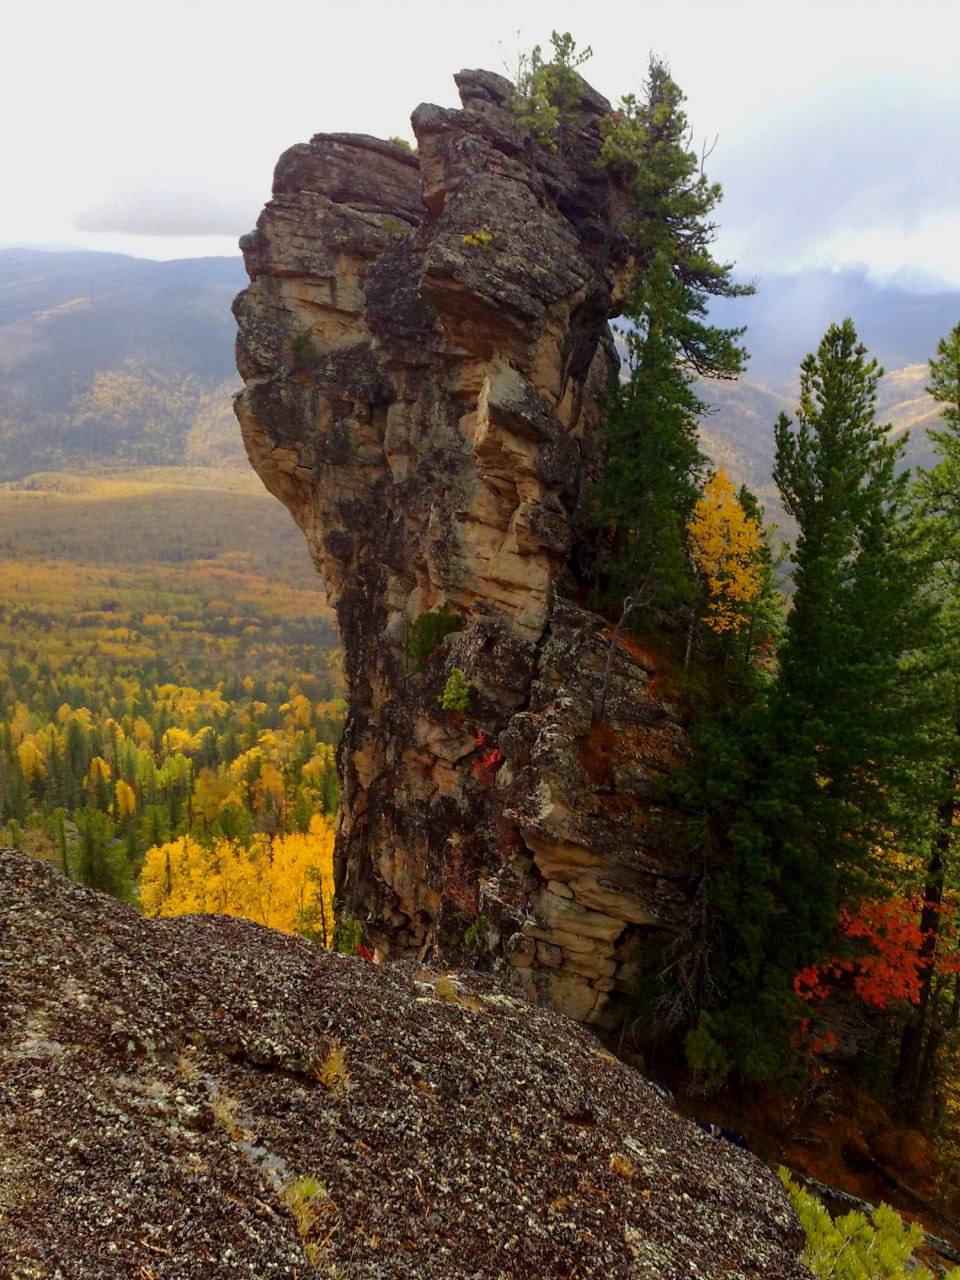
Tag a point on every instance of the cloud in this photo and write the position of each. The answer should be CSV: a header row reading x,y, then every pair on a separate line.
x,y
171,211
862,172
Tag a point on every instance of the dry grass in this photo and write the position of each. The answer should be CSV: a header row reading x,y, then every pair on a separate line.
x,y
226,1112
313,1212
444,988
332,1071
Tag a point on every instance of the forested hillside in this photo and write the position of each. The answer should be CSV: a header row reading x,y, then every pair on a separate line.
x,y
107,360
167,661
168,682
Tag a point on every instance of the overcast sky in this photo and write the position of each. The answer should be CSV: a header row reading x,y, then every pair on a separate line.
x,y
152,126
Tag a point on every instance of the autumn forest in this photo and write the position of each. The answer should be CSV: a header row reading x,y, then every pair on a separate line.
x,y
168,730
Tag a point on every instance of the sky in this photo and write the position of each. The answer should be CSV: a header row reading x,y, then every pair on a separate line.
x,y
151,127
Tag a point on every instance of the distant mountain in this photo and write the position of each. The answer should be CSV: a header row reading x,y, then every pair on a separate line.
x,y
111,360
785,319
789,314
106,359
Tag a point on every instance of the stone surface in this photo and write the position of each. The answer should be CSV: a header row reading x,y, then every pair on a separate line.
x,y
199,1098
425,401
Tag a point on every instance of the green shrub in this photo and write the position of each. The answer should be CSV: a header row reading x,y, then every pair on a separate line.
x,y
476,933
854,1248
706,1057
547,93
394,227
428,631
456,692
302,353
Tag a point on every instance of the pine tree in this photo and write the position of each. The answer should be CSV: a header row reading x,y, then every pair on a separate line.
x,y
812,786
548,92
648,140
937,494
652,465
858,608
652,461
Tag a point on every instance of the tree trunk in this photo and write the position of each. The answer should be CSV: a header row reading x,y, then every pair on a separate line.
x,y
910,1067
629,604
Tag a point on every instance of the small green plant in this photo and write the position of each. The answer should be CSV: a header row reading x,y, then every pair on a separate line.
x,y
427,633
476,933
482,238
302,353
309,1205
547,92
706,1057
854,1248
456,692
348,934
394,227
401,142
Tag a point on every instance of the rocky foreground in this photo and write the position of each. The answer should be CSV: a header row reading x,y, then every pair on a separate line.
x,y
201,1097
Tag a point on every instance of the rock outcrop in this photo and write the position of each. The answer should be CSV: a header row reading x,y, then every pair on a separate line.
x,y
200,1097
424,345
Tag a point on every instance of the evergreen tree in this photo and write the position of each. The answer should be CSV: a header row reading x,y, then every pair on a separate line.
x,y
803,792
844,697
937,494
548,92
671,201
757,643
652,460
652,465
100,861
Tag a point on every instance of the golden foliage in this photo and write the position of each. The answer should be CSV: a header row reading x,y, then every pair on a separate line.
x,y
126,801
285,882
99,771
32,760
444,989
725,544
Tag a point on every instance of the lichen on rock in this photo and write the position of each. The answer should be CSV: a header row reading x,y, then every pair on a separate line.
x,y
201,1097
425,400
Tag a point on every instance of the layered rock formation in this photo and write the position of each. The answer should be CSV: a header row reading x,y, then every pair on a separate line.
x,y
199,1098
424,344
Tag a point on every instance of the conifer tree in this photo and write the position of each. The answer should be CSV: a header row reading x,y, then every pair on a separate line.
x,y
652,460
843,696
648,140
811,786
937,494
652,465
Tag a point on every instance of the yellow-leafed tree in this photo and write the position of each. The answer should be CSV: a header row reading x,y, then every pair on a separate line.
x,y
32,762
725,545
285,882
126,801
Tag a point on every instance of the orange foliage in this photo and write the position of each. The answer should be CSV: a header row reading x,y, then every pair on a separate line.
x,y
890,968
